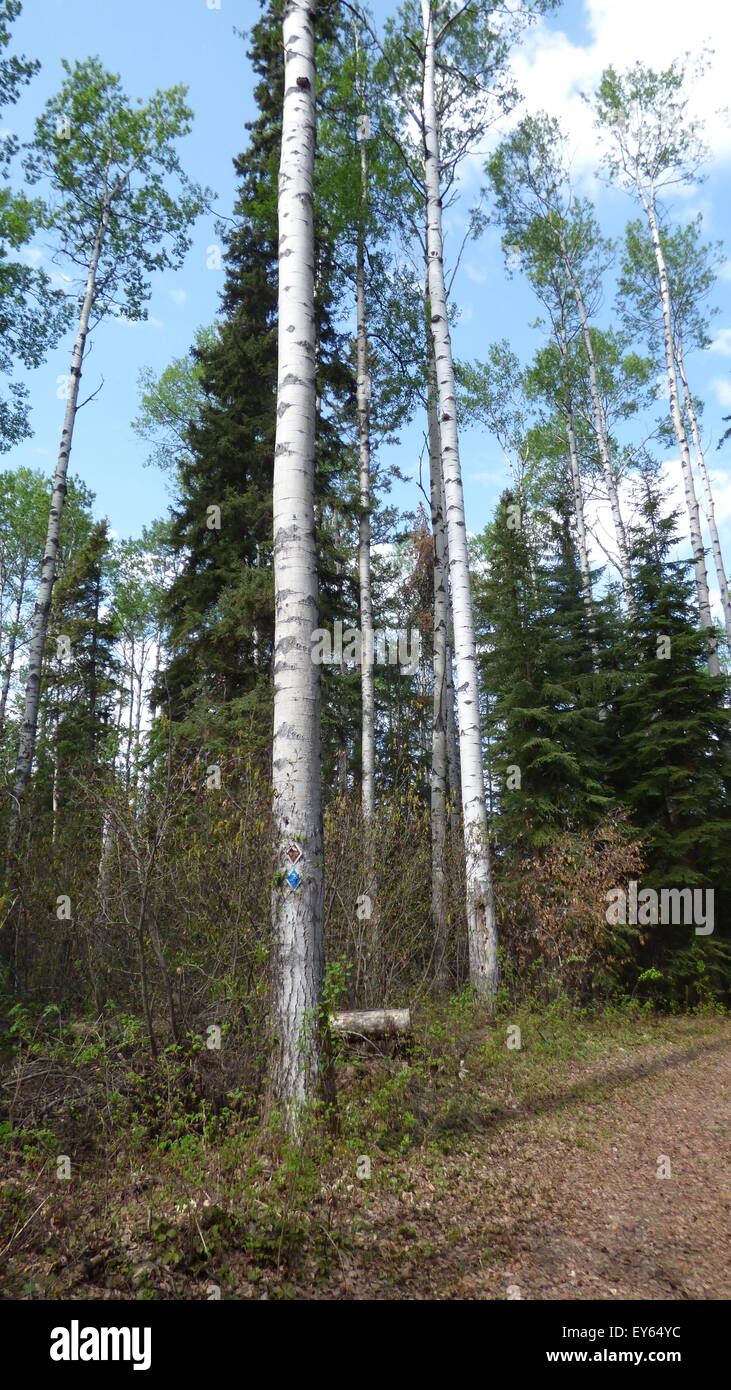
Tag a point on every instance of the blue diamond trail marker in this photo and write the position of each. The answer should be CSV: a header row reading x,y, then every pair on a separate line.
x,y
294,879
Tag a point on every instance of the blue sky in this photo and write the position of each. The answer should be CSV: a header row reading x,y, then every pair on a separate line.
x,y
155,43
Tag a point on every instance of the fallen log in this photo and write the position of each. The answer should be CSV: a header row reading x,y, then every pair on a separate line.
x,y
371,1023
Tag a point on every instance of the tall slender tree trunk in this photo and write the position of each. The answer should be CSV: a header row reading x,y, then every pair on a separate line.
x,y
696,537
6,681
130,723
481,925
586,589
367,674
453,765
709,507
91,741
298,955
99,953
138,722
56,786
578,491
602,436
439,765
453,762
341,758
8,672
39,627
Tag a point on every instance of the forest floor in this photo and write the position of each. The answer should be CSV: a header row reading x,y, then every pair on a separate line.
x,y
592,1162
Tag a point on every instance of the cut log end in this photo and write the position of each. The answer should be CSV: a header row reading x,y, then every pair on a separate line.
x,y
372,1023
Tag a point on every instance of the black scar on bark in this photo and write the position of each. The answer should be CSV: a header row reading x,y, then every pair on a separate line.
x,y
304,83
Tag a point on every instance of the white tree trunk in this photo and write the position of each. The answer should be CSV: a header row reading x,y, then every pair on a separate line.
x,y
440,690
696,537
453,764
586,589
130,722
602,438
39,626
709,507
453,767
298,956
481,926
8,672
138,718
100,954
367,675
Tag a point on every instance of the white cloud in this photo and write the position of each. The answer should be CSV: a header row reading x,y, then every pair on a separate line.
x,y
722,389
721,489
178,296
722,342
31,255
552,71
475,274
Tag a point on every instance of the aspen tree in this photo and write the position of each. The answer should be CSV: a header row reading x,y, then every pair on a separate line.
x,y
441,692
33,315
708,501
691,267
653,145
110,164
449,80
481,923
297,893
563,255
363,392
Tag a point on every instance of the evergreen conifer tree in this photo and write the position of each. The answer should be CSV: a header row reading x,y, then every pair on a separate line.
x,y
544,733
666,727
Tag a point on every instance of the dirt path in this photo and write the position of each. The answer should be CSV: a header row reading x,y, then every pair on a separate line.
x,y
566,1201
535,1174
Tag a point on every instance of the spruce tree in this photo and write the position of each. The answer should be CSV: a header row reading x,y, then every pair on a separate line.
x,y
544,734
82,669
666,727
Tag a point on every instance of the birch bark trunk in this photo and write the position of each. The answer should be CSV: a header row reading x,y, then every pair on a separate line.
x,y
8,672
367,675
39,626
130,721
138,722
586,589
578,491
298,956
99,954
453,767
55,787
481,925
696,537
453,764
440,692
602,435
709,507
